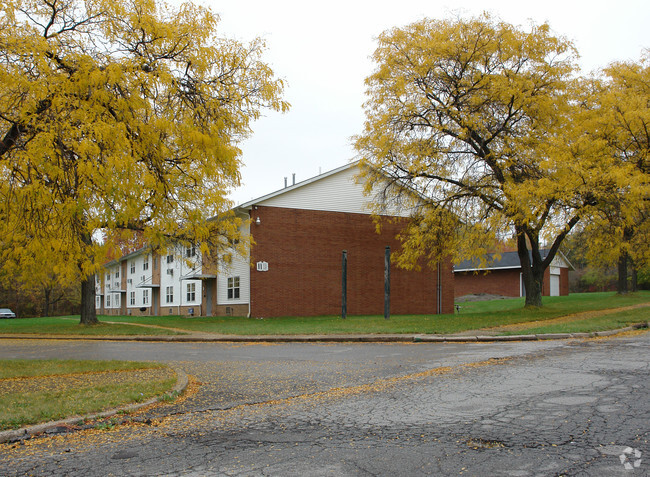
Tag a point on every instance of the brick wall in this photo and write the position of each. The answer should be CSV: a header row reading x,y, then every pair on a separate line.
x,y
496,282
546,284
231,310
503,282
564,281
303,249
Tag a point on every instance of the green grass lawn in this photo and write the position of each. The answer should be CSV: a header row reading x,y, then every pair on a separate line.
x,y
69,325
33,391
472,316
611,321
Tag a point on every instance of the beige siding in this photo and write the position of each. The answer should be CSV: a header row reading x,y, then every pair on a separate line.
x,y
239,267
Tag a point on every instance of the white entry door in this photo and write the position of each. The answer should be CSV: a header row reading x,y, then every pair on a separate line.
x,y
555,285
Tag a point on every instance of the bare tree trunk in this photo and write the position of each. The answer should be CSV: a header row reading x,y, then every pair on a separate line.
x,y
633,283
88,311
47,292
532,271
623,262
621,284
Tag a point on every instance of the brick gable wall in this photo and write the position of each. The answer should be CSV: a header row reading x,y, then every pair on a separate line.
x,y
303,249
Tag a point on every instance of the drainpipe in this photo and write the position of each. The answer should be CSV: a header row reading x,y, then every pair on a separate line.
x,y
250,275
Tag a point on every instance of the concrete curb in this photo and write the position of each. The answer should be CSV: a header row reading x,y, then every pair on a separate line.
x,y
26,432
369,338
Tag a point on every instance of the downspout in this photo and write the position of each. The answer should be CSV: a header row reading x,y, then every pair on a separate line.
x,y
250,268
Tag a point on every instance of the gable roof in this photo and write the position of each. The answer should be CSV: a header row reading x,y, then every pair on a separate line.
x,y
508,260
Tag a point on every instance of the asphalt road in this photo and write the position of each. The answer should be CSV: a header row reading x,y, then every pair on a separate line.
x,y
545,408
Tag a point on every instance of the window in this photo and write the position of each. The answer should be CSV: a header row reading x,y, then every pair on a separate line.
x,y
145,264
145,297
108,277
170,258
132,298
233,288
117,273
108,301
169,295
132,266
191,292
98,301
117,301
190,251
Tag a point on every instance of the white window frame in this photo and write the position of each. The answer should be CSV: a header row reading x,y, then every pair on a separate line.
x,y
145,296
132,298
169,294
191,292
145,264
234,288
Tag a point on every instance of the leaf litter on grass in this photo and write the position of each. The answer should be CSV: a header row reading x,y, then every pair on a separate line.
x,y
585,315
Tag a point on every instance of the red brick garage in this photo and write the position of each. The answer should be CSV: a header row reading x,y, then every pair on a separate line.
x,y
502,276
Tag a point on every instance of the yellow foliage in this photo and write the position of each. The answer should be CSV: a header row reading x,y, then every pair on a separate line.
x,y
120,114
482,120
618,111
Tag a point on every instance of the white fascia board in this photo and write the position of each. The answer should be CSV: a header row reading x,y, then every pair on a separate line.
x,y
566,260
485,269
134,253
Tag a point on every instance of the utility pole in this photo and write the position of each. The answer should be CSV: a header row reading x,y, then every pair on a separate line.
x,y
387,283
344,285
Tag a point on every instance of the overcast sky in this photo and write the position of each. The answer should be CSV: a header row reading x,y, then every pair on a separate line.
x,y
322,50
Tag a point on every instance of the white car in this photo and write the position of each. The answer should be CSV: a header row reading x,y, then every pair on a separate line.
x,y
7,313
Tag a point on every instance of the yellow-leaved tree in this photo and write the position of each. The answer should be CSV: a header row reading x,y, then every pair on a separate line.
x,y
120,114
473,124
618,108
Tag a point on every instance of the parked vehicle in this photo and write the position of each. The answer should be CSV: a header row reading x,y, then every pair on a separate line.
x,y
7,313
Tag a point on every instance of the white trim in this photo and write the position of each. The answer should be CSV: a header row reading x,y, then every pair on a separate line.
x,y
558,256
485,269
